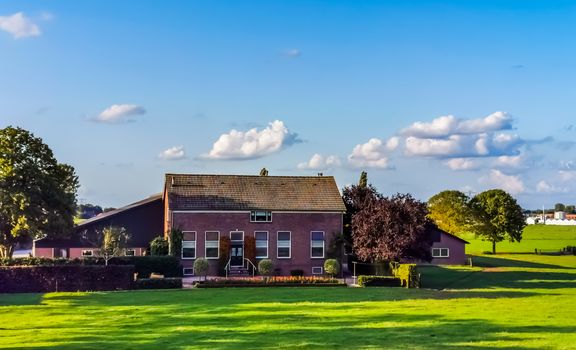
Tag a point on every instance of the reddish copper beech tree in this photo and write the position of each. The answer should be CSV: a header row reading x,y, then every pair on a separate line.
x,y
389,229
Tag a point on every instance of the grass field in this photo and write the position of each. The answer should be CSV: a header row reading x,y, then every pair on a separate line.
x,y
507,301
544,237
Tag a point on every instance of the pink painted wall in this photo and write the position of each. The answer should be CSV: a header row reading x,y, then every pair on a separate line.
x,y
43,252
300,224
457,253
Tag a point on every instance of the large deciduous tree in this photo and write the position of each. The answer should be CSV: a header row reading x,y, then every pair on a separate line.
x,y
497,216
450,211
37,194
391,229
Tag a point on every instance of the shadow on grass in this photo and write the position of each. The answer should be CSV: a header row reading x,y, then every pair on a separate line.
x,y
493,261
286,329
20,299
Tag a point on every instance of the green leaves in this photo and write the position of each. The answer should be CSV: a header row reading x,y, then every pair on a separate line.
x,y
37,194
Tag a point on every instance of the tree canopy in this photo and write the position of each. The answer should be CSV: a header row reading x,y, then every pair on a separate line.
x,y
450,211
387,229
37,194
497,216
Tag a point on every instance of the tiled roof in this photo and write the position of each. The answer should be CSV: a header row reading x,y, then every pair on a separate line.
x,y
241,192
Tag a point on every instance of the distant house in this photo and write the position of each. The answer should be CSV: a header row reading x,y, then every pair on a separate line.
x,y
143,220
447,249
293,219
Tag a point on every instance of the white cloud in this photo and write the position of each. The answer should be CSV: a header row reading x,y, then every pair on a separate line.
x,y
319,162
462,164
567,175
494,122
253,143
545,187
509,161
461,146
293,53
445,126
173,153
19,26
510,183
373,154
119,113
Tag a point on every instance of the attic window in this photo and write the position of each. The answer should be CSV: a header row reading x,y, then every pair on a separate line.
x,y
260,216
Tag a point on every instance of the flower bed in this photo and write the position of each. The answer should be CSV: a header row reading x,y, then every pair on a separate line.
x,y
275,281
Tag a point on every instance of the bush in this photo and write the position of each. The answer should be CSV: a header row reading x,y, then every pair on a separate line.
x,y
297,272
158,283
407,273
159,246
201,267
168,266
332,267
265,267
68,278
378,281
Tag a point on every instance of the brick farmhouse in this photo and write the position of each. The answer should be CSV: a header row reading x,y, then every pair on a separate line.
x,y
291,220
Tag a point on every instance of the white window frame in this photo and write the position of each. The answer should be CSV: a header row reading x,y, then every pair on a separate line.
x,y
206,245
84,251
439,252
187,274
267,244
130,250
267,213
195,245
278,246
318,273
323,245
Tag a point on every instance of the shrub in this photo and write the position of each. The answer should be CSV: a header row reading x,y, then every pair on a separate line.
x,y
158,283
175,242
169,266
297,272
265,267
378,281
68,278
201,267
159,246
407,273
332,267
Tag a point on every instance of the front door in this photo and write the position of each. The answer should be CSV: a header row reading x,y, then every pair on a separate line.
x,y
236,254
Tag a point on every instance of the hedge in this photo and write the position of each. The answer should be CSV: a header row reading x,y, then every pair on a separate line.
x,y
64,278
158,283
277,281
169,266
378,281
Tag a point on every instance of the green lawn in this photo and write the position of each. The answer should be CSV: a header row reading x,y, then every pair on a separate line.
x,y
508,302
545,237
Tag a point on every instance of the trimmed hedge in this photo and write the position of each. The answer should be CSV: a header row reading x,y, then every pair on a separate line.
x,y
158,283
379,281
168,266
64,278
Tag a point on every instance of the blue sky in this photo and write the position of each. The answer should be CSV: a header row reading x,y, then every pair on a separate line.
x,y
423,95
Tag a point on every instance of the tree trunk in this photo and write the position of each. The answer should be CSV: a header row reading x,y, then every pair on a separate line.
x,y
493,246
6,251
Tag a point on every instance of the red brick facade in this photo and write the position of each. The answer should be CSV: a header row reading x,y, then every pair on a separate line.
x,y
300,224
